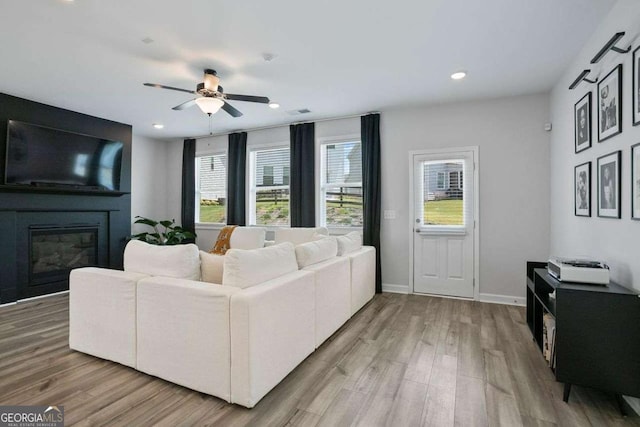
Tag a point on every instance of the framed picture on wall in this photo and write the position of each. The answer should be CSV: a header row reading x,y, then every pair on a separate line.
x,y
636,87
609,185
635,182
582,189
582,122
610,104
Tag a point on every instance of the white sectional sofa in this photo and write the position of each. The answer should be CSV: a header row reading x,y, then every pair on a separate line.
x,y
235,340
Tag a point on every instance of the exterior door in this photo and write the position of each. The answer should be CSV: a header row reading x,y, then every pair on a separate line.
x,y
443,228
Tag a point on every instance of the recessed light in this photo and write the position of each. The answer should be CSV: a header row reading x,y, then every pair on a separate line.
x,y
459,75
158,125
274,105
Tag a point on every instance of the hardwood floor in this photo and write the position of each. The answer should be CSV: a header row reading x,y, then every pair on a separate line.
x,y
404,360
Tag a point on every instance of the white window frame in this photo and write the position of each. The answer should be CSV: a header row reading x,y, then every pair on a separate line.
x,y
252,189
198,192
322,186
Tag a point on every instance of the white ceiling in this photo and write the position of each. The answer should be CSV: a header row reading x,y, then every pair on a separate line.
x,y
335,57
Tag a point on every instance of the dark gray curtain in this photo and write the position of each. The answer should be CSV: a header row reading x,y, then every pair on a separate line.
x,y
236,176
370,134
302,186
189,185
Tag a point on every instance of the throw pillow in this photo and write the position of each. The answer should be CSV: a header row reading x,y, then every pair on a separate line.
x,y
179,261
211,267
316,251
248,267
348,243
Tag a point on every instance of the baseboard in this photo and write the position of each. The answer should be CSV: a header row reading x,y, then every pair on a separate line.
x,y
395,289
503,299
634,403
35,298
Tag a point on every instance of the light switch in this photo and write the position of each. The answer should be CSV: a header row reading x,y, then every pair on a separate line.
x,y
389,214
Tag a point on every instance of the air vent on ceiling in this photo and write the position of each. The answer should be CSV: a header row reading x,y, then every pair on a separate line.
x,y
298,112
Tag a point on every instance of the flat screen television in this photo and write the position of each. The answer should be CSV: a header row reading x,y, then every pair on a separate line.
x,y
47,157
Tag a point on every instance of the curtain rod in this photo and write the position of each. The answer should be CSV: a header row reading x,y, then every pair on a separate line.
x,y
286,124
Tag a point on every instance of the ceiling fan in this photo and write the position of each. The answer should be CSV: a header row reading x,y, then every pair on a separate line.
x,y
212,97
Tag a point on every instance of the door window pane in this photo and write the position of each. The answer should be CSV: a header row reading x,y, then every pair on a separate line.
x,y
443,199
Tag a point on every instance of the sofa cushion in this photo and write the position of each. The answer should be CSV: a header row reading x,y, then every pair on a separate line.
x,y
299,235
248,237
245,268
211,267
348,243
179,261
316,251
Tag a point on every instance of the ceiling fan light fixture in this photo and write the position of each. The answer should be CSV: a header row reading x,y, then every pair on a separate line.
x,y
209,105
274,105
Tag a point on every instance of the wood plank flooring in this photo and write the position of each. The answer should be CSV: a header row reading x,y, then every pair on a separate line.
x,y
403,360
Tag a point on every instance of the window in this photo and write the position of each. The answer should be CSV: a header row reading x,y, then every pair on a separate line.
x,y
341,184
443,204
269,202
211,189
442,181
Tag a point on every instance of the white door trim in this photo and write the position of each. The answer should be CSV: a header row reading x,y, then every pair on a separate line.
x,y
476,212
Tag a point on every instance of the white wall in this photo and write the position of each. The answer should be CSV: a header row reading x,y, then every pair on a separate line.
x,y
617,241
174,180
148,179
514,183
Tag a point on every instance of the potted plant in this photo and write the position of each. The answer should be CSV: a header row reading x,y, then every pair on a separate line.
x,y
165,232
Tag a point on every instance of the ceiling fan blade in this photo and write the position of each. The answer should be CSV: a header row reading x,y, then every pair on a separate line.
x,y
169,87
248,98
231,110
185,105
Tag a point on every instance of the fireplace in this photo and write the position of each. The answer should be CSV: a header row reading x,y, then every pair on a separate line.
x,y
48,245
55,250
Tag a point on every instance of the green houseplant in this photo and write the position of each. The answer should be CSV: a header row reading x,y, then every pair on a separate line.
x,y
164,232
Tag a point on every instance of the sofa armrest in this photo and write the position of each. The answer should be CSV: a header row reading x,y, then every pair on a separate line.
x,y
102,313
272,331
363,276
183,333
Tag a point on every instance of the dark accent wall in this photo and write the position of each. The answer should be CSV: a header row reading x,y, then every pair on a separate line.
x,y
75,208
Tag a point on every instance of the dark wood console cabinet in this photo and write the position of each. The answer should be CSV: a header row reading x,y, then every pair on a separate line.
x,y
597,331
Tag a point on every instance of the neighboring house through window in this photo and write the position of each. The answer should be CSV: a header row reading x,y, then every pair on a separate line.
x,y
269,182
211,189
341,184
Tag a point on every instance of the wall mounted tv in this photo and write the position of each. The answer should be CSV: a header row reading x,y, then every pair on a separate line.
x,y
45,157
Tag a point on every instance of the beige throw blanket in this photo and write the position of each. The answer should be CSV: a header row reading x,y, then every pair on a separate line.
x,y
223,244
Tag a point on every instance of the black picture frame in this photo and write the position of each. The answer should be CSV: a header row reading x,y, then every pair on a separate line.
x,y
609,194
635,182
582,123
635,111
582,189
610,104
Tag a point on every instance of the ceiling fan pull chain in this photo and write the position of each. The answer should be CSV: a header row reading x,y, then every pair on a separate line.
x,y
210,125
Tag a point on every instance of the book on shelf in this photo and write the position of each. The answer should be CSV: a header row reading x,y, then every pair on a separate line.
x,y
549,338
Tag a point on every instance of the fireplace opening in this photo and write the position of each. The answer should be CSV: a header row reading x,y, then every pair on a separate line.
x,y
55,250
